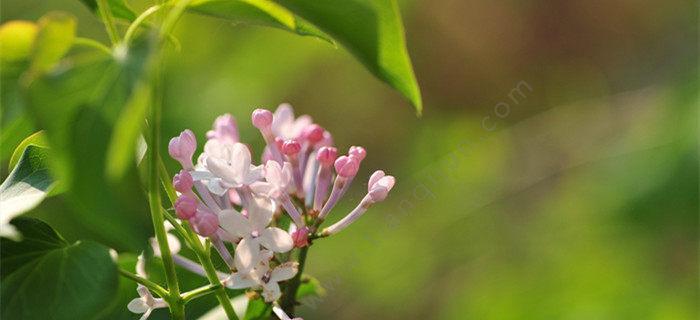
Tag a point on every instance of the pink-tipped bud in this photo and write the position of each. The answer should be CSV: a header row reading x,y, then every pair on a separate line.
x,y
182,147
183,181
346,166
326,155
205,223
291,147
262,118
358,152
224,128
379,185
313,133
301,237
185,207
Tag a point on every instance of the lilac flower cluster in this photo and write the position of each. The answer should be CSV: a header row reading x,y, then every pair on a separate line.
x,y
227,198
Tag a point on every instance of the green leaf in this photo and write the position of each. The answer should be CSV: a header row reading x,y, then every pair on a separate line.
x,y
126,132
36,139
13,133
54,39
25,187
47,278
257,310
257,12
310,287
372,31
118,7
78,107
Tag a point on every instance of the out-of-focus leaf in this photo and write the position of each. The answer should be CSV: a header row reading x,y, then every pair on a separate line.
x,y
55,38
36,139
12,134
47,278
372,31
257,310
118,7
258,12
310,287
25,187
122,147
16,40
78,106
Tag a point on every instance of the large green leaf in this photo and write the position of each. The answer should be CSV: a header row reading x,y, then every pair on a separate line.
x,y
372,31
78,107
257,12
44,277
35,139
118,7
54,39
25,187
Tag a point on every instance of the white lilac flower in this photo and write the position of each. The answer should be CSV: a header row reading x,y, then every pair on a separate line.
x,y
262,276
228,165
254,232
146,302
285,126
277,185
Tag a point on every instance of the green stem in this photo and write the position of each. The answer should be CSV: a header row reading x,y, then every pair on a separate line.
x,y
176,309
200,292
289,301
106,15
92,44
157,289
138,22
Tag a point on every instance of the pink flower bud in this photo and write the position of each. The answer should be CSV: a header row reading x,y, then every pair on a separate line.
x,y
379,186
224,128
301,237
313,133
205,223
185,207
182,147
183,181
291,147
357,152
346,166
279,142
326,155
262,118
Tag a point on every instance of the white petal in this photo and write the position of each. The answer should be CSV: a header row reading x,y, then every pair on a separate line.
x,y
255,173
273,172
199,175
240,160
216,187
276,240
247,254
240,281
284,271
260,213
263,188
299,124
137,305
146,314
282,119
271,291
234,223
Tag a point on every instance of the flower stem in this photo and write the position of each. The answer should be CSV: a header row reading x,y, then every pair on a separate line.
x,y
200,292
157,289
289,301
106,15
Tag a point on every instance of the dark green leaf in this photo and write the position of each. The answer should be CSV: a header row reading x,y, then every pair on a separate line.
x,y
121,152
310,287
257,12
78,108
372,31
55,280
118,7
25,187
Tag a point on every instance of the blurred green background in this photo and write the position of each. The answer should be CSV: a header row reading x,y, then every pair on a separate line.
x,y
554,174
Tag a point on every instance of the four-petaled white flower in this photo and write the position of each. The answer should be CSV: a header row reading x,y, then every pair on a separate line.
x,y
227,165
145,303
284,124
262,276
254,232
278,180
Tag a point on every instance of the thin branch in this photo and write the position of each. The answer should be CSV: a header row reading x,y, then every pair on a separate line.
x,y
157,289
